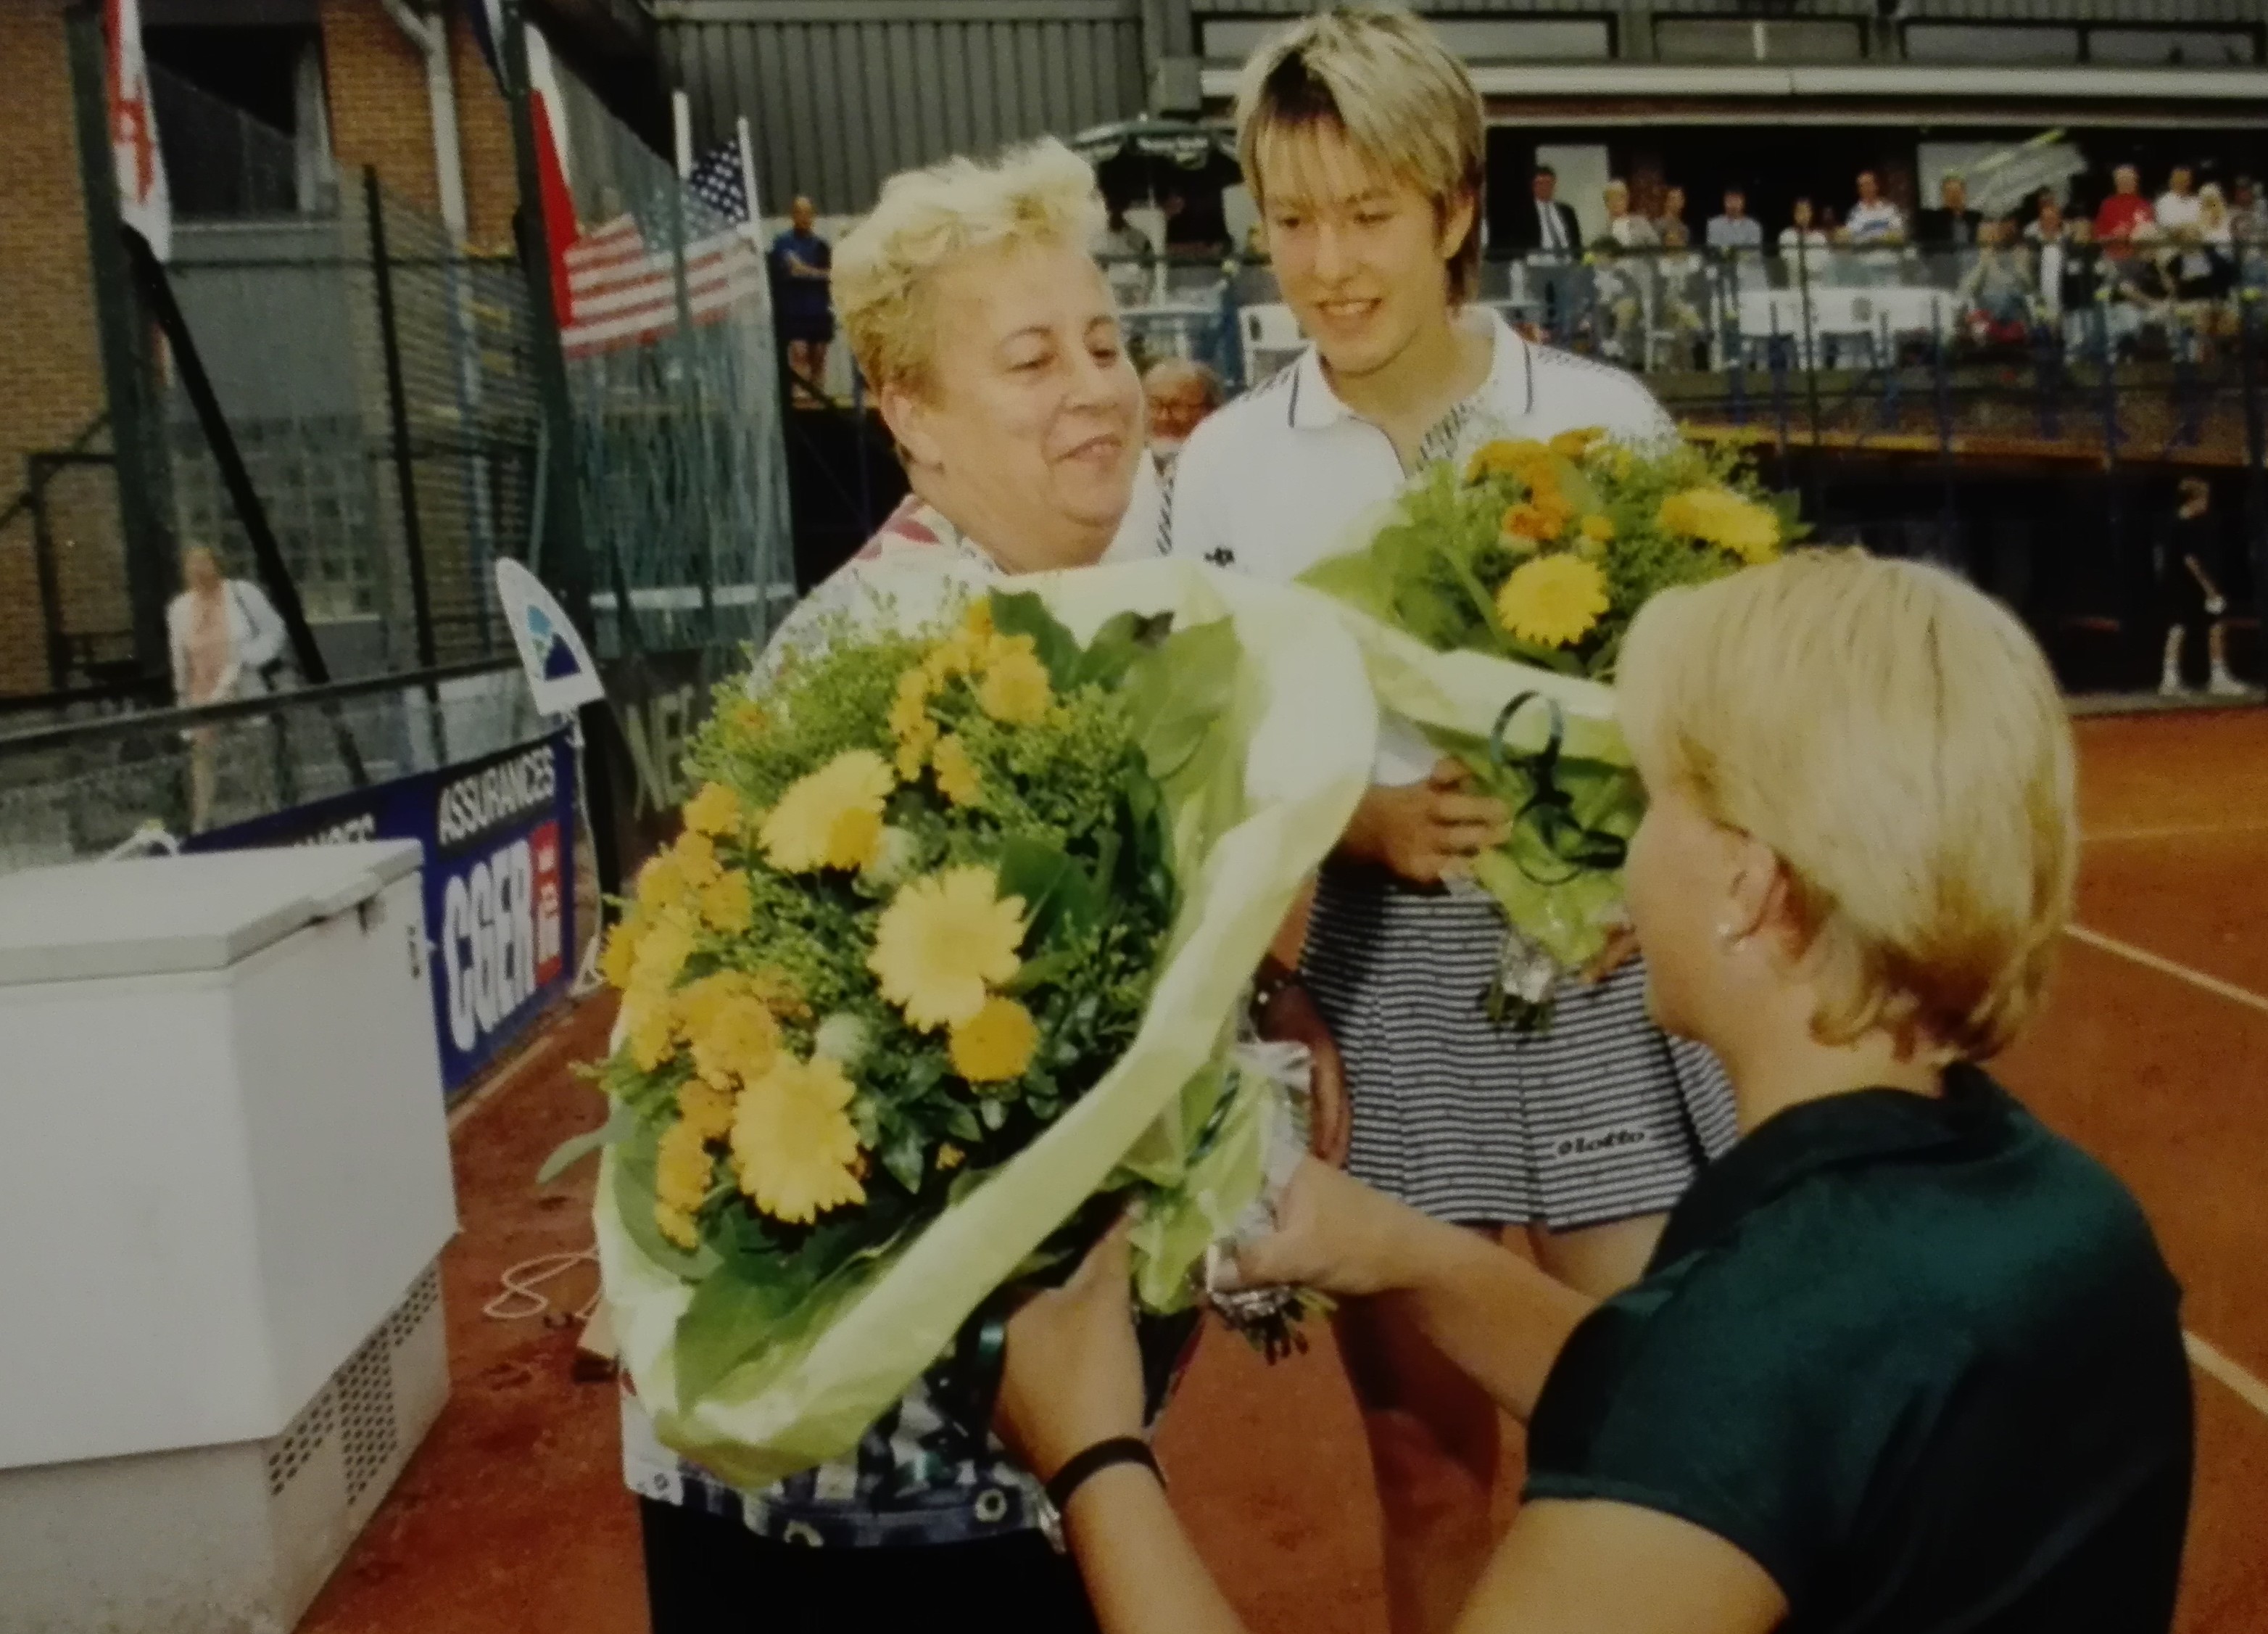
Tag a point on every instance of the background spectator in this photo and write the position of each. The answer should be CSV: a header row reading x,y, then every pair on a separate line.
x,y
2176,209
1550,227
226,642
1996,290
2124,209
1181,393
1127,256
1875,219
2208,266
802,265
1672,213
1627,229
1803,245
1952,224
1735,228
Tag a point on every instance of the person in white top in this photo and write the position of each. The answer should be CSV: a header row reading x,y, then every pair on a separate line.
x,y
225,638
1629,230
1361,138
1803,247
2177,208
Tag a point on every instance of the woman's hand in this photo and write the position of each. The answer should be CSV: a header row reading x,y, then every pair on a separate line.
x,y
1291,1018
1073,1375
1428,832
1333,1233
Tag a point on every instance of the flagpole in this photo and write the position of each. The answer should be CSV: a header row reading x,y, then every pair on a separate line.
x,y
680,119
749,181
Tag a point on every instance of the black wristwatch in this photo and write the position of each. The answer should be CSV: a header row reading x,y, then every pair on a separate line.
x,y
1084,1468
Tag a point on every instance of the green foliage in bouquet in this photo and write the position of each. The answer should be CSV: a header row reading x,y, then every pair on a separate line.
x,y
1543,552
916,913
1539,555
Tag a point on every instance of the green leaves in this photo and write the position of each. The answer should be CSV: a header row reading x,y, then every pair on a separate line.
x,y
1179,690
621,1122
1060,900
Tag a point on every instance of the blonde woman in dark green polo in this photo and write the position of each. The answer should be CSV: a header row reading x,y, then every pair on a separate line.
x,y
1904,1362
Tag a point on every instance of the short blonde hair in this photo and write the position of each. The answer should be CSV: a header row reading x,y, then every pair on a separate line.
x,y
1383,80
1896,739
1038,193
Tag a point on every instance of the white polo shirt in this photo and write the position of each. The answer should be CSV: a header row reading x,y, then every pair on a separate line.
x,y
1288,474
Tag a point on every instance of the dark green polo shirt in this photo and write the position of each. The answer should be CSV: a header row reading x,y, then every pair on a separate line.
x,y
1919,1358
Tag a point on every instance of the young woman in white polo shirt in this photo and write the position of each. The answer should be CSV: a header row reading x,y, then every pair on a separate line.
x,y
1361,138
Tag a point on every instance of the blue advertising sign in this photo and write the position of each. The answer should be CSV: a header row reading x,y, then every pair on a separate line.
x,y
498,835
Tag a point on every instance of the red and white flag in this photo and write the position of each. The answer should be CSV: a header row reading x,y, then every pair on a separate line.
x,y
623,291
143,199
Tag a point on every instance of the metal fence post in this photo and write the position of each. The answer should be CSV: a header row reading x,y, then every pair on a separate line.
x,y
37,471
2256,434
397,412
128,379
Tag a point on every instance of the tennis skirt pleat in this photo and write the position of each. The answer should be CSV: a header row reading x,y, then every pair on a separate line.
x,y
1600,1118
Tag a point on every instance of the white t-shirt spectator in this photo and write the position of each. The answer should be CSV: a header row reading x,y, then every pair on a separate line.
x,y
1876,223
1806,249
2178,212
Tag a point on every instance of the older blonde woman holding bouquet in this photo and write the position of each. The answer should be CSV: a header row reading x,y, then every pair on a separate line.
x,y
990,341
1903,1359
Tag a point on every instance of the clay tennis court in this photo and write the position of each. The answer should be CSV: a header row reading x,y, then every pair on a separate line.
x,y
2153,1054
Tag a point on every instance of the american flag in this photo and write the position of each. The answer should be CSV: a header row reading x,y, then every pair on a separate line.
x,y
623,289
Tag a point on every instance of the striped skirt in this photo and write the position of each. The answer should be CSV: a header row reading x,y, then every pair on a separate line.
x,y
1600,1118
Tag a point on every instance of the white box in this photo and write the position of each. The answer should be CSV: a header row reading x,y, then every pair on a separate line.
x,y
224,1182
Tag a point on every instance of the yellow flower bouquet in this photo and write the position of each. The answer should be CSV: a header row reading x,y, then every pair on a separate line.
x,y
942,973
1491,601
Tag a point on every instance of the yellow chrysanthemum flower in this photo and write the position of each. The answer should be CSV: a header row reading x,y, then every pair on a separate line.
x,y
956,772
1536,523
683,1167
944,939
1553,600
950,1156
777,989
909,709
727,905
1508,457
649,1027
831,818
715,810
661,883
995,1045
1015,689
621,956
914,749
662,950
677,1225
1599,529
1720,517
1575,444
702,1105
735,1043
794,1144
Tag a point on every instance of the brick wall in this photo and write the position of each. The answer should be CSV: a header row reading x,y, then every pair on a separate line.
x,y
50,371
379,116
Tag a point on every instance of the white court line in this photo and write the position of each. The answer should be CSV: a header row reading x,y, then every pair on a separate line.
x,y
2167,967
2249,1389
2170,830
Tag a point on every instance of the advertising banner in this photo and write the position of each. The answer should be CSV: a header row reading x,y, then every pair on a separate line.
x,y
498,835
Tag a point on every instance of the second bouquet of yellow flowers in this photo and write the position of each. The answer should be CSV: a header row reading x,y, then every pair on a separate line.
x,y
942,973
1492,599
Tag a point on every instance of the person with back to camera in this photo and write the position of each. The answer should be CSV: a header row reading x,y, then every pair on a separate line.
x,y
2191,571
1361,139
1904,1360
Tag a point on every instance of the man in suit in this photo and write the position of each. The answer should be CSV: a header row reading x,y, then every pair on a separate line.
x,y
1550,239
1547,227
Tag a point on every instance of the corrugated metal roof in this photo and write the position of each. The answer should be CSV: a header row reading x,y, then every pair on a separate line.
x,y
2156,12
837,104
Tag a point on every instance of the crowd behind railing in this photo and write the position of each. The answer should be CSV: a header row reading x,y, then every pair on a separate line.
x,y
2137,279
